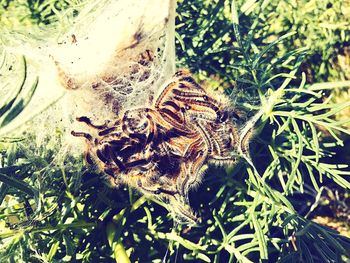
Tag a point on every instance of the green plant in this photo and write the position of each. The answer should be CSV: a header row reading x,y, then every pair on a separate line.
x,y
54,209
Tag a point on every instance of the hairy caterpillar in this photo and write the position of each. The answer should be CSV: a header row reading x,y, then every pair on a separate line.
x,y
163,149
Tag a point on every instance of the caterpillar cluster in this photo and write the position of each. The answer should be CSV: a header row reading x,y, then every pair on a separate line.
x,y
163,150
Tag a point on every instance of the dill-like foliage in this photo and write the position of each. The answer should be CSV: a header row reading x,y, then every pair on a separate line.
x,y
268,59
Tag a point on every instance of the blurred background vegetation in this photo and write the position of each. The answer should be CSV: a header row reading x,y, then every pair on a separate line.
x,y
289,58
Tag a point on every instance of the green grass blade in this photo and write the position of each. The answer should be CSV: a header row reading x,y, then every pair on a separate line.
x,y
20,105
260,237
10,181
8,102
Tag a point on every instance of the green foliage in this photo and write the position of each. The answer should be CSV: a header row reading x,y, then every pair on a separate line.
x,y
16,96
53,209
40,12
322,26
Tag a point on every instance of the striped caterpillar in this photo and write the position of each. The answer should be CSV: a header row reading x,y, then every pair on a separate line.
x,y
163,150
